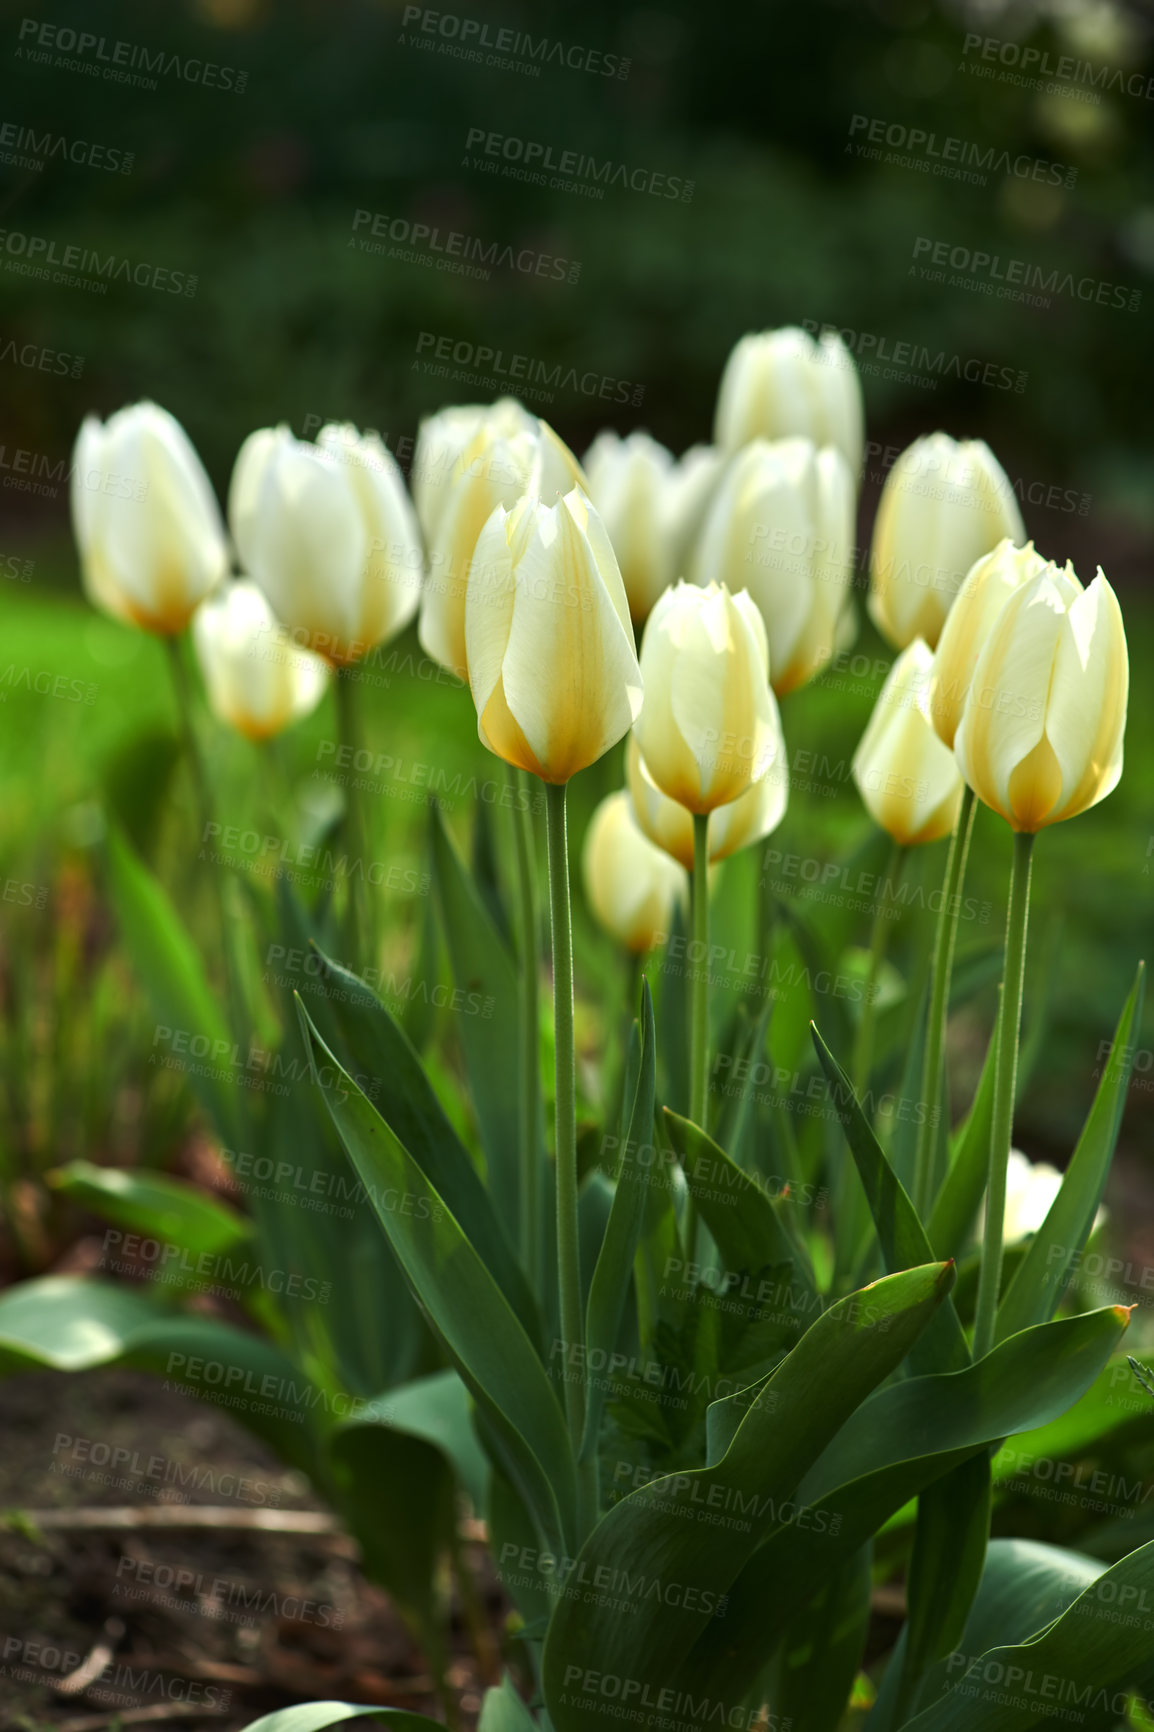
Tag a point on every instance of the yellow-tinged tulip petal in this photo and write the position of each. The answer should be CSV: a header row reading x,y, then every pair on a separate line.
x,y
709,728
552,667
628,483
147,524
781,524
632,886
1041,735
511,454
905,775
943,506
990,583
670,826
785,382
329,534
256,678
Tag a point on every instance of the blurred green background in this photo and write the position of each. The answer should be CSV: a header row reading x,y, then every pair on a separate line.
x,y
350,106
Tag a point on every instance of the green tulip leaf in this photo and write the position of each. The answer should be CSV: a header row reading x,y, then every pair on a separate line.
x,y
154,1206
316,1716
462,1302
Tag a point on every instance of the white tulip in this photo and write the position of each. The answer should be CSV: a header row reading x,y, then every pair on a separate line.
x,y
709,727
944,505
441,438
632,886
151,538
906,777
1031,1187
785,382
782,525
629,484
330,535
1041,734
510,455
989,584
256,678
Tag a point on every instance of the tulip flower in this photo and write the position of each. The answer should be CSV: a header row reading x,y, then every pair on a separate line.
x,y
552,667
907,778
709,728
782,525
669,825
329,534
629,481
511,454
256,678
944,505
988,586
441,438
780,383
1040,738
631,884
151,538
652,505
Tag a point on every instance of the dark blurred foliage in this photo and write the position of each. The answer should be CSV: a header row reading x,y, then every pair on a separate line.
x,y
255,194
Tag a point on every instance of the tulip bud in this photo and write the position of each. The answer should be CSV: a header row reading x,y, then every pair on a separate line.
x,y
511,454
944,505
692,485
906,777
551,661
745,820
631,885
987,588
782,525
441,438
1031,1187
329,534
780,383
709,728
256,678
1040,737
151,538
629,486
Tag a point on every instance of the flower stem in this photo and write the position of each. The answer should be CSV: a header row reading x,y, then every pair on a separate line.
x,y
530,1097
568,1243
1005,1085
941,970
699,1023
360,937
182,686
863,1046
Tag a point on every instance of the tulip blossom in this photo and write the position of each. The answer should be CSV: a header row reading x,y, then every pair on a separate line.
x,y
781,524
989,585
329,534
441,438
1040,737
906,777
552,667
750,818
780,383
151,538
709,729
945,504
256,678
510,454
632,885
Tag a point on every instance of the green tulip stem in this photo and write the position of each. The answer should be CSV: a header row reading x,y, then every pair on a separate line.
x,y
942,967
530,1096
1005,1088
699,1004
863,1046
360,934
182,686
568,1243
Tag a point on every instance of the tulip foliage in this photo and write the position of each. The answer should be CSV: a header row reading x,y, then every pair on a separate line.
x,y
709,1363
